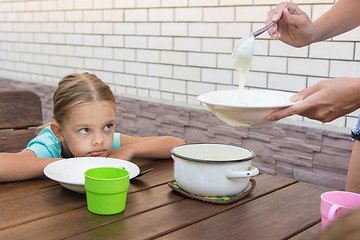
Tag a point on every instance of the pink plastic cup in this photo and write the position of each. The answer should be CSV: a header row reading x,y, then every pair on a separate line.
x,y
335,203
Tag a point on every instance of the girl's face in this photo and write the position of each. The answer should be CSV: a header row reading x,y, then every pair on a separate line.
x,y
88,130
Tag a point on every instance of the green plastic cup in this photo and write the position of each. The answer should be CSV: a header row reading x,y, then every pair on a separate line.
x,y
106,190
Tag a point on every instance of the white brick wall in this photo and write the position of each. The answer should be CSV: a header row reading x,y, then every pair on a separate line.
x,y
166,49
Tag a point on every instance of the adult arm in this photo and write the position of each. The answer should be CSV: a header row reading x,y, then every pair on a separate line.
x,y
342,17
324,101
330,99
296,29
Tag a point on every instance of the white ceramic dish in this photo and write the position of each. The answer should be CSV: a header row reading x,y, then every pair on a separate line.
x,y
210,169
258,104
70,172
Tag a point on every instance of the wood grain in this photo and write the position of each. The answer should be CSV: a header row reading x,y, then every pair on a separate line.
x,y
19,111
274,216
278,208
309,233
177,215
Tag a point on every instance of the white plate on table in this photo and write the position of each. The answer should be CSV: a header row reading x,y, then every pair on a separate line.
x,y
70,173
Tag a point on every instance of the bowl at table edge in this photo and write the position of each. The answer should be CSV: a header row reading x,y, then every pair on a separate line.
x,y
252,113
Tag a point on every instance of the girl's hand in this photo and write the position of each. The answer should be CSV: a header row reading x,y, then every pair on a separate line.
x,y
145,147
324,101
124,153
294,28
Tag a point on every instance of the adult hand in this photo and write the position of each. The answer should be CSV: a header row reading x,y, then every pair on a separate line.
x,y
294,27
324,101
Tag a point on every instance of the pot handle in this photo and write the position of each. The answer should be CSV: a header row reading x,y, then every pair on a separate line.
x,y
253,171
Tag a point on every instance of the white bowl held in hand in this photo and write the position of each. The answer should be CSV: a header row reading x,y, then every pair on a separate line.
x,y
251,112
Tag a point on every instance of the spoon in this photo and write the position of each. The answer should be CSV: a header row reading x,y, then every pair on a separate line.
x,y
264,29
143,172
252,35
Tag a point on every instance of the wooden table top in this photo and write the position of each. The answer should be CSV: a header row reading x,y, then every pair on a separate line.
x,y
278,208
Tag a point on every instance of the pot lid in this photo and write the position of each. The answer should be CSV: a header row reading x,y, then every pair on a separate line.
x,y
212,153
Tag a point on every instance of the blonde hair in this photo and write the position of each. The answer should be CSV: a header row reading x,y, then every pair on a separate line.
x,y
78,88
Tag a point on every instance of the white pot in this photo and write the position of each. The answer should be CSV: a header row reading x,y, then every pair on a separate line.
x,y
213,169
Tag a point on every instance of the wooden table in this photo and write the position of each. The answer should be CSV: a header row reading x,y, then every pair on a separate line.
x,y
278,208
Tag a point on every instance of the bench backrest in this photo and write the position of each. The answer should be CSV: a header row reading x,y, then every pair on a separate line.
x,y
20,114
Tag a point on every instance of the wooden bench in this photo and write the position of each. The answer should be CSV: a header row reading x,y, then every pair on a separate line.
x,y
20,114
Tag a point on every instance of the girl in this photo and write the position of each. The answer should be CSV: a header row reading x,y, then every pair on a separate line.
x,y
84,114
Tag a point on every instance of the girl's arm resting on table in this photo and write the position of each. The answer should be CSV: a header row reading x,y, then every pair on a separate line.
x,y
145,147
22,166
